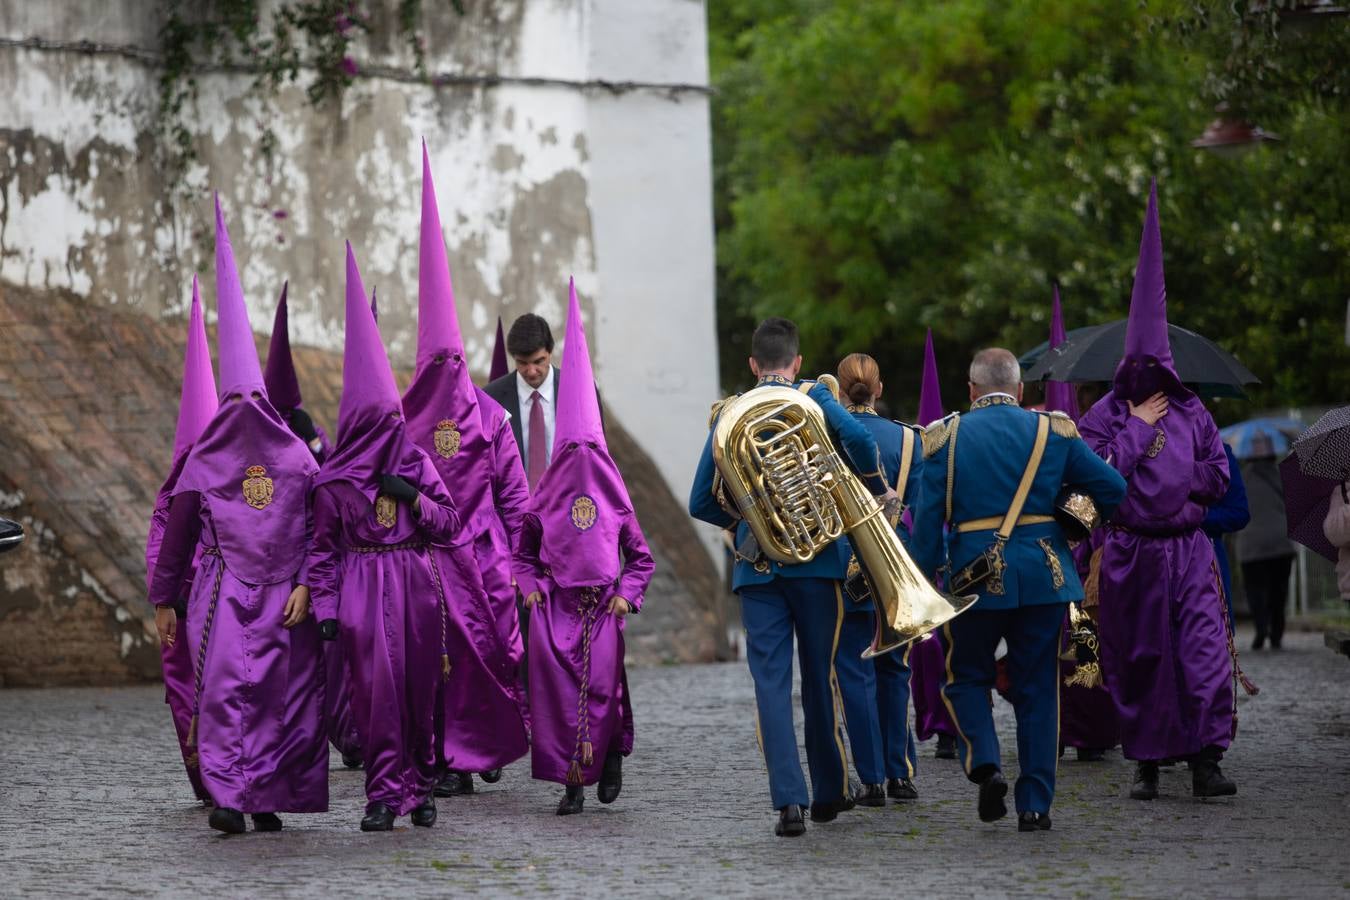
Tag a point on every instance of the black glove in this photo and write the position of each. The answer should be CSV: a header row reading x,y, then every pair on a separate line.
x,y
302,425
328,629
397,487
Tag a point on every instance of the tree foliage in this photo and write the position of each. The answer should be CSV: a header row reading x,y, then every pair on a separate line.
x,y
886,168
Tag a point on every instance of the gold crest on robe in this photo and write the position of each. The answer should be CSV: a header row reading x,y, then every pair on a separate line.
x,y
446,438
386,510
257,487
584,513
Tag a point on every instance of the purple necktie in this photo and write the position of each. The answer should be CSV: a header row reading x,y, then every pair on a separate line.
x,y
538,461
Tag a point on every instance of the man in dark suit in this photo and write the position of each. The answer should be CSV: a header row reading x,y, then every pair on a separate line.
x,y
530,393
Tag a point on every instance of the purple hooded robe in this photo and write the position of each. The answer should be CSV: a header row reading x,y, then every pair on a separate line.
x,y
197,404
1164,647
244,494
283,389
372,567
484,706
580,546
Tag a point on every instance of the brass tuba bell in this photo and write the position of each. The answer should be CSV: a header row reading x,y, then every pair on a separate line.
x,y
783,475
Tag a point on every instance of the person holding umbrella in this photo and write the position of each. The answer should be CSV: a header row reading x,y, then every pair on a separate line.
x,y
1263,547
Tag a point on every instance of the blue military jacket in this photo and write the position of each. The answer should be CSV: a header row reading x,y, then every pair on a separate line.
x,y
890,438
859,451
993,444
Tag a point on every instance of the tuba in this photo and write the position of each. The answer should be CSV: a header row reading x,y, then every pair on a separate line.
x,y
782,474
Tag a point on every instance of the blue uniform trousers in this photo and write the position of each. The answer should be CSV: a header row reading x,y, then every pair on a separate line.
x,y
858,691
898,751
813,610
1032,633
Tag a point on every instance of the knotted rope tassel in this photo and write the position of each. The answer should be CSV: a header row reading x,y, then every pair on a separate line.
x,y
1238,675
584,753
194,760
445,615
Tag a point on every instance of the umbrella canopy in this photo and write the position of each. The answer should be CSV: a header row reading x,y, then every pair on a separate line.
x,y
1260,438
1323,450
1306,501
1029,359
1094,353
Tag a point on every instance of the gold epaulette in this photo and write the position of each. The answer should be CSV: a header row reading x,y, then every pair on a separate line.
x,y
1061,424
935,436
717,409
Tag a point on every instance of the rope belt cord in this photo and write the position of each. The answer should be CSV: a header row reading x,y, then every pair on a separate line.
x,y
387,548
584,752
195,760
989,523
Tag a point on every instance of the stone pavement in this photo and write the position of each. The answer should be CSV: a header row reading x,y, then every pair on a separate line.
x,y
94,802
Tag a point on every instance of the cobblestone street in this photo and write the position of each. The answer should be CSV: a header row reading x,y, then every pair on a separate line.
x,y
93,801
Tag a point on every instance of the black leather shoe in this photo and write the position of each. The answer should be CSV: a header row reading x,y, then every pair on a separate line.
x,y
870,795
424,815
611,778
266,822
992,791
353,760
1145,785
828,812
1208,781
230,821
790,822
1091,754
379,817
491,776
572,801
901,789
946,747
454,783
1030,821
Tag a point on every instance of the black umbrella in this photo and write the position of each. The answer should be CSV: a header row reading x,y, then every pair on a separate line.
x,y
1324,449
1093,353
1032,356
1306,501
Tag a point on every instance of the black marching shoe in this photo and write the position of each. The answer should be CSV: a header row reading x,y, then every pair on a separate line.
x,y
828,812
491,776
1206,778
353,760
379,817
901,789
454,784
870,795
790,822
1030,821
1145,785
424,814
946,747
230,821
611,778
572,801
266,822
992,791
1091,754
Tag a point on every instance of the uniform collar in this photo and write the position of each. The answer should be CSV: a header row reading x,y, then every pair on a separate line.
x,y
774,379
997,398
863,408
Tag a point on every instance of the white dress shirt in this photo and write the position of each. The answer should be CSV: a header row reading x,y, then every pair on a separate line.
x,y
525,394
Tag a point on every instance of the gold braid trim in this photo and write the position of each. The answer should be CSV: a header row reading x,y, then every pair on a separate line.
x,y
1062,425
717,409
935,436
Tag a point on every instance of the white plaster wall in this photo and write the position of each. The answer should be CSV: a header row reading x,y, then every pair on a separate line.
x,y
535,183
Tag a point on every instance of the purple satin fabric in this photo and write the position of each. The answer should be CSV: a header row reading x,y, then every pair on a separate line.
x,y
342,731
261,731
580,538
927,661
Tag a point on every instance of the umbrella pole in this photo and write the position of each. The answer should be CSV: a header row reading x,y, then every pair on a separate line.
x,y
1301,597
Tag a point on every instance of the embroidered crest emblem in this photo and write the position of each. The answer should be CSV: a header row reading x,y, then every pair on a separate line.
x,y
584,513
447,438
386,510
1159,441
257,487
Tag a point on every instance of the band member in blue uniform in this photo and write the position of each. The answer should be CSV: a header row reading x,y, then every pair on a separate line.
x,y
778,601
1008,464
887,675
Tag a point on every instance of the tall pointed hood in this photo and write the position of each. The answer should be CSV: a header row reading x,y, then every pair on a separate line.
x,y
283,388
499,365
239,369
930,394
197,402
372,437
437,323
581,500
1147,366
1059,395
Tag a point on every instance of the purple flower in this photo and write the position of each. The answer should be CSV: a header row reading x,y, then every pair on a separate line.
x,y
350,67
279,214
342,23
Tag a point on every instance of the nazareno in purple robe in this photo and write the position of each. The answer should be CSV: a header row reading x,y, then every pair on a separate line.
x,y
1165,652
483,705
283,390
580,546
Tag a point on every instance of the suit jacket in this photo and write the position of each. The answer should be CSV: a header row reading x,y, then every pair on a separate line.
x,y
503,390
